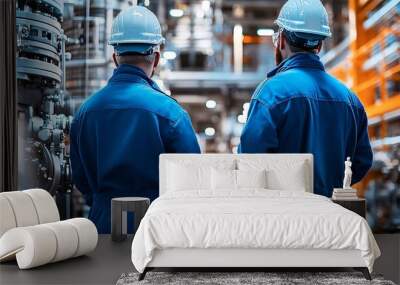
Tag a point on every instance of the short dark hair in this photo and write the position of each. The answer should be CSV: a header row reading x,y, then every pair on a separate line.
x,y
136,58
297,44
295,49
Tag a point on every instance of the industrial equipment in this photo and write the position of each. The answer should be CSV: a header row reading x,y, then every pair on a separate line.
x,y
43,113
87,25
60,46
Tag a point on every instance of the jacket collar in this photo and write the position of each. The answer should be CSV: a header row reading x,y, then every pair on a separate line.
x,y
132,74
298,60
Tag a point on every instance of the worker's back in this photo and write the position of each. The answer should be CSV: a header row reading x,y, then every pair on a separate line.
x,y
302,109
117,137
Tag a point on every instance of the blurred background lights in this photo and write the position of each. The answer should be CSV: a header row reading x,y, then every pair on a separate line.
x,y
169,55
176,13
265,32
210,132
205,5
211,104
241,119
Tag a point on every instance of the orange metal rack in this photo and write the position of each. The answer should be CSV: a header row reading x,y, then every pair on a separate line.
x,y
372,61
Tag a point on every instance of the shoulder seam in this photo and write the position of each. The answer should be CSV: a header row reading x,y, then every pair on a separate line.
x,y
134,108
299,96
148,87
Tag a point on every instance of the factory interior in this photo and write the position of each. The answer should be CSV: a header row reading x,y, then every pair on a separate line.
x,y
55,54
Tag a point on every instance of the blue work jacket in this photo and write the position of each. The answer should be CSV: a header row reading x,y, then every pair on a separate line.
x,y
300,108
116,139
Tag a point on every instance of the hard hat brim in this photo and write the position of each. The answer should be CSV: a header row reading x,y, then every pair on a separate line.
x,y
282,25
308,36
133,48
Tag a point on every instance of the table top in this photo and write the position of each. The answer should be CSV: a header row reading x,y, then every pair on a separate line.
x,y
130,199
348,200
102,266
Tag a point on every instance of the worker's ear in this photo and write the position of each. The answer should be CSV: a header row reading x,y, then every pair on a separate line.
x,y
114,56
156,59
282,41
318,49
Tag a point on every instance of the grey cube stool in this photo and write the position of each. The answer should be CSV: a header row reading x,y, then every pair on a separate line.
x,y
119,208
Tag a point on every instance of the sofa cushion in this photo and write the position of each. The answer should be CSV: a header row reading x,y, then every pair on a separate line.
x,y
41,244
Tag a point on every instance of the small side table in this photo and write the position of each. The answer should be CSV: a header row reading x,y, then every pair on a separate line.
x,y
357,205
119,209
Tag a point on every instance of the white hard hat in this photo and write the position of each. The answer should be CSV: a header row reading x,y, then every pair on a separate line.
x,y
304,16
135,29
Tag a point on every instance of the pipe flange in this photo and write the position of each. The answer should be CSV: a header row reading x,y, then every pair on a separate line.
x,y
38,68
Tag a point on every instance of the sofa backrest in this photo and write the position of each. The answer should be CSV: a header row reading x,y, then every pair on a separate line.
x,y
26,208
295,168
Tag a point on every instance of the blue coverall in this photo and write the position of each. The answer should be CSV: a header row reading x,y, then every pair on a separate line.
x,y
300,108
116,139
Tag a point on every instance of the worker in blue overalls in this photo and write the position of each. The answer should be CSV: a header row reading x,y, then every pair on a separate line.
x,y
300,108
119,132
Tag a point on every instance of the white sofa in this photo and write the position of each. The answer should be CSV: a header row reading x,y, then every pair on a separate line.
x,y
31,231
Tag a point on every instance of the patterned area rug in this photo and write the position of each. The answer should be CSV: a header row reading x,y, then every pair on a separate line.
x,y
244,278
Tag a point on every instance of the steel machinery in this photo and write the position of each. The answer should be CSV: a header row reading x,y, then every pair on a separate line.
x,y
87,24
61,45
43,114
